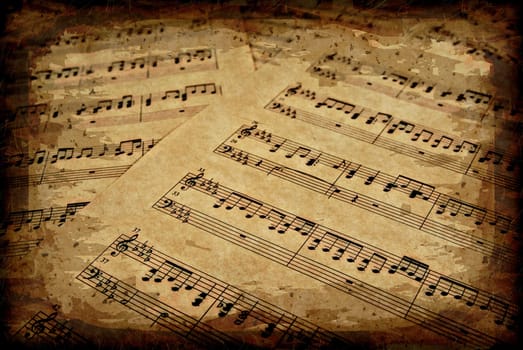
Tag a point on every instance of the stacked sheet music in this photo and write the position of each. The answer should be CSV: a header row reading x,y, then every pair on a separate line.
x,y
265,183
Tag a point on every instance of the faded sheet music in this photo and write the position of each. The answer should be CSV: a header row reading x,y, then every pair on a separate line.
x,y
90,119
96,105
352,235
373,178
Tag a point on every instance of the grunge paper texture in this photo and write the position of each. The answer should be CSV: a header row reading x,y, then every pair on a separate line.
x,y
228,176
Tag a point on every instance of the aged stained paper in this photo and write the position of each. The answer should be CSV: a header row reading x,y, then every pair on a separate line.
x,y
95,106
331,117
277,208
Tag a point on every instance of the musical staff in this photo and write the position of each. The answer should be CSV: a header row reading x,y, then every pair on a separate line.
x,y
415,310
45,329
434,227
339,244
36,217
213,299
446,151
188,60
19,248
86,42
384,214
368,74
45,161
413,188
145,107
67,176
47,157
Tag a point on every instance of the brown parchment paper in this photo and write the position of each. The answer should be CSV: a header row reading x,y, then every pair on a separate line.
x,y
283,51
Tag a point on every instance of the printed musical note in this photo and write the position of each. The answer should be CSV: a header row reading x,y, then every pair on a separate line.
x,y
459,158
417,188
413,268
173,272
458,290
377,262
217,297
373,261
413,188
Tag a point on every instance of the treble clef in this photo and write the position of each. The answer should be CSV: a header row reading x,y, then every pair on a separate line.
x,y
122,245
245,132
191,181
39,326
293,90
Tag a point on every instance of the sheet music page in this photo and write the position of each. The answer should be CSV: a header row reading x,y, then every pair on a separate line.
x,y
299,201
98,108
359,190
95,106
